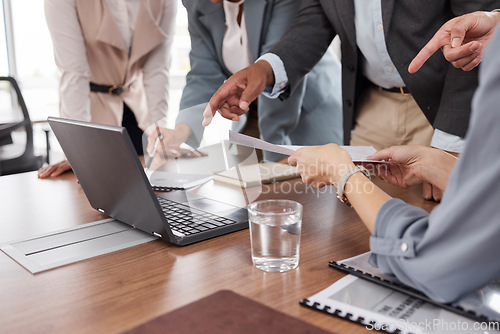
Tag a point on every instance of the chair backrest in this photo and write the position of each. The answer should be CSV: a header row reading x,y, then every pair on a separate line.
x,y
27,161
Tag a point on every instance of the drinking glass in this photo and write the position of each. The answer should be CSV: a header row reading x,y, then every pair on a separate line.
x,y
275,227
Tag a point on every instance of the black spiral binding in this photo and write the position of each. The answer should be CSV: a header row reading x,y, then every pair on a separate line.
x,y
409,291
349,316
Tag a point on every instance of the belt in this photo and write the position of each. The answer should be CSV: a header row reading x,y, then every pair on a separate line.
x,y
111,90
400,90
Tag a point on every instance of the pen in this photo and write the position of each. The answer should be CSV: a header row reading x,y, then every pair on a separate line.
x,y
155,148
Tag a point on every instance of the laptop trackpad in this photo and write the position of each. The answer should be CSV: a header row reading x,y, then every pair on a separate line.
x,y
208,205
202,203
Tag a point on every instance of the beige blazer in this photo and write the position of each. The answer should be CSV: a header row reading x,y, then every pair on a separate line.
x,y
110,63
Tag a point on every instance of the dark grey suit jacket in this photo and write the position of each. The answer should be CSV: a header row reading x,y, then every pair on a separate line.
x,y
443,92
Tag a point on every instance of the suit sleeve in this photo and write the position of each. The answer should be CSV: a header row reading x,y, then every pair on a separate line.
x,y
202,81
305,42
157,66
284,122
71,58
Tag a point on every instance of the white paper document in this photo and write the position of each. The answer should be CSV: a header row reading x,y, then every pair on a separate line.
x,y
357,153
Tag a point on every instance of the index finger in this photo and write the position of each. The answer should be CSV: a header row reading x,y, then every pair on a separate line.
x,y
227,89
220,98
437,41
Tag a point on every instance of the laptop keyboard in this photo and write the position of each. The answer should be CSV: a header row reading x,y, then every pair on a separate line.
x,y
184,220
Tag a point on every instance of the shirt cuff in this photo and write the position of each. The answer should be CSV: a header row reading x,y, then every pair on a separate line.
x,y
395,233
447,142
280,77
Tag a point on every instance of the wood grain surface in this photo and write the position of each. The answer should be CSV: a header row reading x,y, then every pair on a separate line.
x,y
117,291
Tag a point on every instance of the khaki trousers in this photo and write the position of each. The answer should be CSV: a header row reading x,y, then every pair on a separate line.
x,y
386,119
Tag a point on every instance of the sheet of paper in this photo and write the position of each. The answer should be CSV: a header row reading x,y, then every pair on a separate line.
x,y
357,153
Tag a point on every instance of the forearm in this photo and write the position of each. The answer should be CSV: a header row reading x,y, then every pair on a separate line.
x,y
366,198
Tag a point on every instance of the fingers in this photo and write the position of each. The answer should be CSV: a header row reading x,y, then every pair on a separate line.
x,y
437,41
382,155
54,170
60,169
392,174
467,57
231,112
227,101
431,192
463,51
451,34
45,171
208,114
437,194
233,98
249,94
473,64
459,28
426,191
151,142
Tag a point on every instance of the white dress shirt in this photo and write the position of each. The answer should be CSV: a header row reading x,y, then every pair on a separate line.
x,y
235,51
71,59
376,64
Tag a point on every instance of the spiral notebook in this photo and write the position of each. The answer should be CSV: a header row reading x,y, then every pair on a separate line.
x,y
380,308
482,305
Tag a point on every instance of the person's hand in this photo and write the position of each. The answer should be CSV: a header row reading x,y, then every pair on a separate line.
x,y
405,165
54,170
462,40
431,192
321,165
414,164
233,98
172,138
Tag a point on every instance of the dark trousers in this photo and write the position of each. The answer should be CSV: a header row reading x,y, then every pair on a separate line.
x,y
129,122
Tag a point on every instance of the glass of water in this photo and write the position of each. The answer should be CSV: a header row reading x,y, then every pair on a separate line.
x,y
275,227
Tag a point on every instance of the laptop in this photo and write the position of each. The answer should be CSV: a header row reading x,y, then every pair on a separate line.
x,y
109,171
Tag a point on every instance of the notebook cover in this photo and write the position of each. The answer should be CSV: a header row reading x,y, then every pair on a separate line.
x,y
355,266
225,312
341,313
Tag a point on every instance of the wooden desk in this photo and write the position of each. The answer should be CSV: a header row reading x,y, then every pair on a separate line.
x,y
117,291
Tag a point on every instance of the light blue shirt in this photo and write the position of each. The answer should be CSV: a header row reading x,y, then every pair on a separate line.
x,y
455,248
280,77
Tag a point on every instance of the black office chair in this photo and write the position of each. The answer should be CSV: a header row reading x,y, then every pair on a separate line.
x,y
27,161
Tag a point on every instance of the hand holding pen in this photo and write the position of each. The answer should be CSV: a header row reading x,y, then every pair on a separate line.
x,y
166,142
